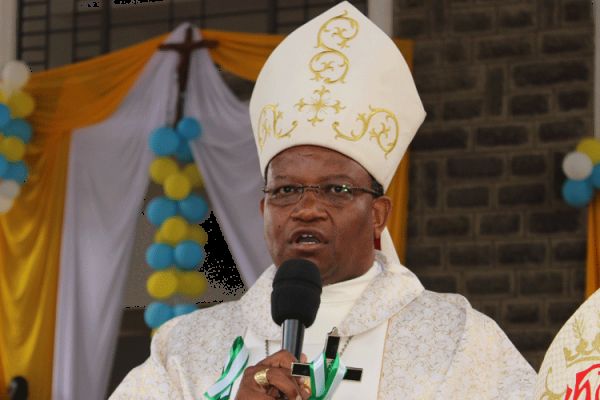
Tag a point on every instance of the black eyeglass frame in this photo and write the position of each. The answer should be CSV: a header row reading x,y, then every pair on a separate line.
x,y
318,188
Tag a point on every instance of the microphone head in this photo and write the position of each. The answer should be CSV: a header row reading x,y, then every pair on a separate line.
x,y
296,292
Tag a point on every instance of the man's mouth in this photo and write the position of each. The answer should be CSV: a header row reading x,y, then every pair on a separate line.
x,y
308,238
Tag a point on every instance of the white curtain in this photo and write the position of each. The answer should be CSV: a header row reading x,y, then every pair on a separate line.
x,y
226,155
106,184
8,30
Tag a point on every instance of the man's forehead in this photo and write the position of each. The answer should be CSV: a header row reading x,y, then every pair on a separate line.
x,y
309,151
334,163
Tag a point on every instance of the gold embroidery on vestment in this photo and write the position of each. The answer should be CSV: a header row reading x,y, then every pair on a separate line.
x,y
583,351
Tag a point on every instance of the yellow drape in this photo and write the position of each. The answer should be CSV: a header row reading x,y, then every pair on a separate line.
x,y
398,189
67,98
593,247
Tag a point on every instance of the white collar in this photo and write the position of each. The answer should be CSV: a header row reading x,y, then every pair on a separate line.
x,y
385,295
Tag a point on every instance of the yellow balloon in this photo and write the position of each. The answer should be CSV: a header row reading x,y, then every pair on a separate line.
x,y
162,284
21,104
153,331
591,147
12,148
158,237
174,229
177,186
193,174
197,234
192,283
3,96
161,168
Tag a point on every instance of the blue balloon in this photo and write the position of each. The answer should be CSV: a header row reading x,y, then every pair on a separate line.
x,y
164,141
193,208
184,153
577,193
188,254
160,256
182,309
158,313
159,209
189,128
3,166
17,171
20,128
595,176
4,115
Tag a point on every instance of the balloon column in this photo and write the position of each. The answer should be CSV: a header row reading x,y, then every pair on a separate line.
x,y
15,131
582,168
177,250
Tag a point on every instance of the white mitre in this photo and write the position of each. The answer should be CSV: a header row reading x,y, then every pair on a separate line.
x,y
571,366
338,82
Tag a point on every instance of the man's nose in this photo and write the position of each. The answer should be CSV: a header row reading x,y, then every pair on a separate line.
x,y
310,206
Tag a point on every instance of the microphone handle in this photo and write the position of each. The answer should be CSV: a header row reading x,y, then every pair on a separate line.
x,y
293,337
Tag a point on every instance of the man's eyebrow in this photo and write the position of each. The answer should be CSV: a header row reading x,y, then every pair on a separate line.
x,y
337,176
321,179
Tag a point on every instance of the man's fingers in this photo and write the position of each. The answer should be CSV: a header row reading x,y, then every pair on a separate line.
x,y
278,374
283,381
281,359
303,358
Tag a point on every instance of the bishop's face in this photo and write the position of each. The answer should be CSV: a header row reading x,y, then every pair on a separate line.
x,y
337,238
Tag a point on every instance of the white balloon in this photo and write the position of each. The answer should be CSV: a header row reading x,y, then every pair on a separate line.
x,y
577,165
9,189
5,204
15,74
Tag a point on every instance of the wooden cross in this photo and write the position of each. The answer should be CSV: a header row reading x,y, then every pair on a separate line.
x,y
331,349
185,50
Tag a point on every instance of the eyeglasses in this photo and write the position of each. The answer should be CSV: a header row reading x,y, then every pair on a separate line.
x,y
332,193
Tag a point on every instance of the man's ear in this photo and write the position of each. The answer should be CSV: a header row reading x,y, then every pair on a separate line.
x,y
262,206
381,208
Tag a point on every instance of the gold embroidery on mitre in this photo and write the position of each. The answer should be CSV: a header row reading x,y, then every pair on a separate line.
x,y
319,104
330,64
378,117
267,124
549,394
584,351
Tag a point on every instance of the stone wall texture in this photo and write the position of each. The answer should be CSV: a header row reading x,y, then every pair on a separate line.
x,y
508,88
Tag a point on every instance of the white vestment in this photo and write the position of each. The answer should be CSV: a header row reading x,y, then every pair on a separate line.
x,y
411,343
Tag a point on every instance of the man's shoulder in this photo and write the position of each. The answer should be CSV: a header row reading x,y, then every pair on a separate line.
x,y
444,308
455,310
201,327
213,317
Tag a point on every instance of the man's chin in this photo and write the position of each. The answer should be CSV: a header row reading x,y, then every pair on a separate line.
x,y
312,253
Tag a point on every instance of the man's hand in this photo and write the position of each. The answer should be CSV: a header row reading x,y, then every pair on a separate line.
x,y
281,382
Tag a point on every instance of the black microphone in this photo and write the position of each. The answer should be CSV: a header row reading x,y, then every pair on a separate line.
x,y
295,300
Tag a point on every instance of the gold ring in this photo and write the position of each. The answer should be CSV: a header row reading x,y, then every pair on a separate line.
x,y
261,378
306,384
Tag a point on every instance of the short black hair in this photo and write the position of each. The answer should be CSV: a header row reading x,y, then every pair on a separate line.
x,y
376,186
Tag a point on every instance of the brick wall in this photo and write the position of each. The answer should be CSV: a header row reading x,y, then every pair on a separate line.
x,y
508,90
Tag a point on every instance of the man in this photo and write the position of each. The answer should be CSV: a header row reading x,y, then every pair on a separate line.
x,y
333,112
